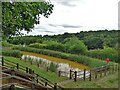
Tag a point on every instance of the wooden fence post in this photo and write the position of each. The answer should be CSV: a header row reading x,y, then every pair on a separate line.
x,y
12,87
70,74
47,69
55,86
75,79
90,76
101,74
2,61
59,73
17,66
113,69
37,78
95,75
30,71
26,69
46,83
84,74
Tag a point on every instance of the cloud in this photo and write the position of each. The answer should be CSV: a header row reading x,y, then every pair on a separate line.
x,y
68,3
49,31
70,26
65,25
52,25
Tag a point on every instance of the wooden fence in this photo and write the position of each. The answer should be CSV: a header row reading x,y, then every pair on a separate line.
x,y
90,74
34,77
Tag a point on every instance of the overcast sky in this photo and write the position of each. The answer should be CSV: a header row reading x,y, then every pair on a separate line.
x,y
79,15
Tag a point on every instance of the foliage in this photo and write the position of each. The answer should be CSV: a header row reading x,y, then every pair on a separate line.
x,y
17,16
6,44
92,39
74,45
110,53
13,53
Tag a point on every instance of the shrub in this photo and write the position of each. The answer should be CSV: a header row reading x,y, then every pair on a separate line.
x,y
103,54
13,53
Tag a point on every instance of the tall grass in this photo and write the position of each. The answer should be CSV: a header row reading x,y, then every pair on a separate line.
x,y
92,62
51,66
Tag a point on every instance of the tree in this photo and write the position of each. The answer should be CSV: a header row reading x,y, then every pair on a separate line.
x,y
74,45
18,16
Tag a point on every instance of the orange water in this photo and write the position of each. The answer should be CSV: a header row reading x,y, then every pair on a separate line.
x,y
58,60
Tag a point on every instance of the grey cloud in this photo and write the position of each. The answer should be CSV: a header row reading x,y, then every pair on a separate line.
x,y
52,25
71,26
65,26
66,2
49,31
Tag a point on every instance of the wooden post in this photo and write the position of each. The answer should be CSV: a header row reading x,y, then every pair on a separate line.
x,y
37,64
59,73
47,69
70,74
26,69
95,75
12,87
46,83
17,66
84,74
31,62
90,76
55,86
2,61
113,69
37,78
101,74
116,68
75,79
30,71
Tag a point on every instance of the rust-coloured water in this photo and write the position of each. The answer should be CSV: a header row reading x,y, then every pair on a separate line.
x,y
58,60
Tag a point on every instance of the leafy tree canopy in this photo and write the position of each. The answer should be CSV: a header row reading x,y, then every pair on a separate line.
x,y
18,16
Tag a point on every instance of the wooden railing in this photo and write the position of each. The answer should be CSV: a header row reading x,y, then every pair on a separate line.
x,y
34,77
93,73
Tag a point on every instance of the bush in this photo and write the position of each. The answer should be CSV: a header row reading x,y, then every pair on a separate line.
x,y
13,53
103,54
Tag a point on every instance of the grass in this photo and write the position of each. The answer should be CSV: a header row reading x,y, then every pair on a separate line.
x,y
110,81
49,75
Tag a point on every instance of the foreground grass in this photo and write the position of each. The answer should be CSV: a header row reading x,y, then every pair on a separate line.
x,y
109,81
52,76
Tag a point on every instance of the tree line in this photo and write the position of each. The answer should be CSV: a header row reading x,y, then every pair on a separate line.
x,y
91,39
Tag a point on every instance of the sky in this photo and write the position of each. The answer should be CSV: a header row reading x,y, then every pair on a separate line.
x,y
73,16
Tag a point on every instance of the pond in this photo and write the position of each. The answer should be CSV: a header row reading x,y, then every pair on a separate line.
x,y
63,64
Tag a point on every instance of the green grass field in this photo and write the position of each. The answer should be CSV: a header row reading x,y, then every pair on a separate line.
x,y
109,81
